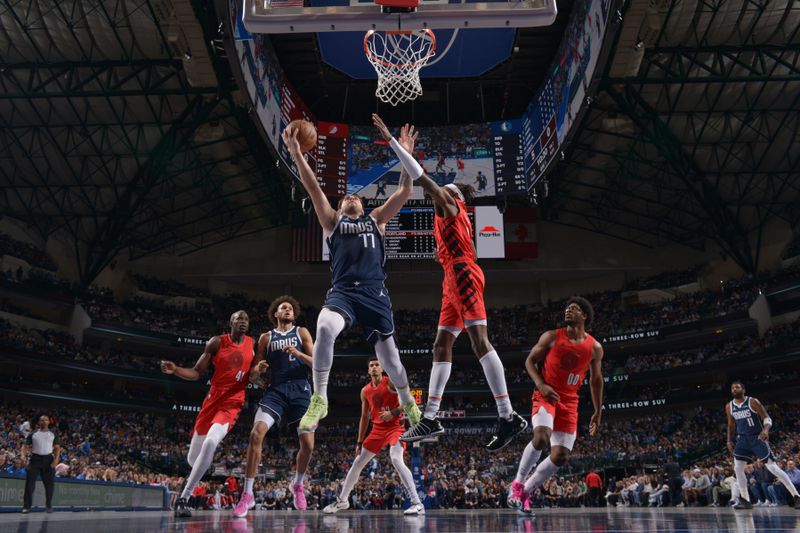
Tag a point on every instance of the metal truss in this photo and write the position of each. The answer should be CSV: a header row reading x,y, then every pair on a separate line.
x,y
105,143
702,144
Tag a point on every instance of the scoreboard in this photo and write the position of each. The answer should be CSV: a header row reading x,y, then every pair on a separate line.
x,y
409,235
332,157
508,158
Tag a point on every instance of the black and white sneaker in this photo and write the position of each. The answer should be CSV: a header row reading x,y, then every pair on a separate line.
x,y
506,431
796,503
426,427
743,504
182,509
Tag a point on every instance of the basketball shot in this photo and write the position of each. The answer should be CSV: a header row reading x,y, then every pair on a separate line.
x,y
462,307
748,437
379,406
232,357
284,352
358,294
566,354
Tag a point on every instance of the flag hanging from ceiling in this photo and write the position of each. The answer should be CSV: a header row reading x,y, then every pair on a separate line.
x,y
520,233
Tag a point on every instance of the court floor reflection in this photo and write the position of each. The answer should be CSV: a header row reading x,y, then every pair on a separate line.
x,y
560,520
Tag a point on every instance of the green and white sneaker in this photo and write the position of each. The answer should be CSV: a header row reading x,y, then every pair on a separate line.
x,y
317,410
413,412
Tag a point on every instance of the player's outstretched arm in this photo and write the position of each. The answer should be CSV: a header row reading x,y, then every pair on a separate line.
x,y
325,213
596,387
537,355
200,367
399,197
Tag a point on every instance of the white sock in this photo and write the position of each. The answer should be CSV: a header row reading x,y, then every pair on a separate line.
x,y
530,456
396,455
440,373
389,358
329,325
741,478
299,478
358,465
773,467
248,485
543,472
204,458
496,378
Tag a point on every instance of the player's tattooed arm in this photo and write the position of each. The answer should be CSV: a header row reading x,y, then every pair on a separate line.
x,y
388,414
766,421
325,213
731,427
260,364
537,355
200,367
308,347
596,385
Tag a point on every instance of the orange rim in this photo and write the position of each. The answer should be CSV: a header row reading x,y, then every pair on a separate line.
x,y
373,58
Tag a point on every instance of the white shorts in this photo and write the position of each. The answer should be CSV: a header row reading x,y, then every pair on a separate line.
x,y
557,438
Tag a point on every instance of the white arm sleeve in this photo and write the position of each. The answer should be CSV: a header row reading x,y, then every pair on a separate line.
x,y
413,168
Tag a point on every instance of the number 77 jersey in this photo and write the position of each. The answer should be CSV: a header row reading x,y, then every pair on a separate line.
x,y
357,251
566,364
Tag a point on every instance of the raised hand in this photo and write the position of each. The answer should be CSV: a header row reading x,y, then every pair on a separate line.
x,y
289,137
408,136
382,129
168,367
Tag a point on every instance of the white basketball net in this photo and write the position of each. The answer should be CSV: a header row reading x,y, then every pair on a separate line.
x,y
398,58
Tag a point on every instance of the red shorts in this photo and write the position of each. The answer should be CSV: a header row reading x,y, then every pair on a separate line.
x,y
462,295
564,413
218,409
381,436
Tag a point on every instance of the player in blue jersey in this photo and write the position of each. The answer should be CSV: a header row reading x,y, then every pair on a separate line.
x,y
358,294
284,352
750,422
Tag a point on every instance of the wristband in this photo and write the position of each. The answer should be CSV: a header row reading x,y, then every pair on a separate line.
x,y
413,168
767,421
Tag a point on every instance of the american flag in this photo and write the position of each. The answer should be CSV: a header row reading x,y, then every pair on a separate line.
x,y
306,238
547,104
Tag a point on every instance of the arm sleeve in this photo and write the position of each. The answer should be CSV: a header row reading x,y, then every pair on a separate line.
x,y
413,168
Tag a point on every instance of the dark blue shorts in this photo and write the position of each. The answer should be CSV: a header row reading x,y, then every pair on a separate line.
x,y
288,401
748,446
369,306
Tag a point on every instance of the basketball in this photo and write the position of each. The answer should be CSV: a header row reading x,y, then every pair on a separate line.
x,y
306,134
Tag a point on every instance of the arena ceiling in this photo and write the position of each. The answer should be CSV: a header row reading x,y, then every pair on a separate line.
x,y
693,134
121,126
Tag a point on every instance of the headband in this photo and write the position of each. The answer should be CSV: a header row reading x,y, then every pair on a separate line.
x,y
452,187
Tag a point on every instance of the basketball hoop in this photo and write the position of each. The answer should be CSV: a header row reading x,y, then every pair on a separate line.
x,y
398,56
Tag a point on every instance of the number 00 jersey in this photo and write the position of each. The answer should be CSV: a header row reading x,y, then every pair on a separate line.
x,y
357,251
566,364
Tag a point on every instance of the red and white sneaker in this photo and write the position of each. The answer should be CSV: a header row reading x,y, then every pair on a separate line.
x,y
246,502
517,494
299,497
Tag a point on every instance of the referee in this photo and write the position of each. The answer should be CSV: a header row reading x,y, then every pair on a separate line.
x,y
44,452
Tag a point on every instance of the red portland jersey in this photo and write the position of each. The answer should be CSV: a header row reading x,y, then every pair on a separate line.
x,y
231,367
454,236
566,364
381,399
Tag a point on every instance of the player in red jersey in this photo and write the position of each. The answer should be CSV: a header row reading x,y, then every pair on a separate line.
x,y
232,356
380,405
567,354
462,308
